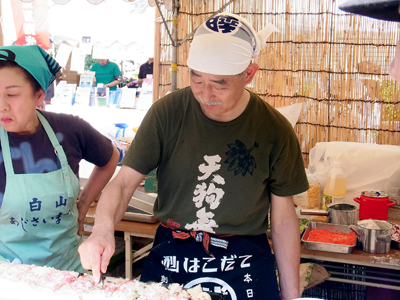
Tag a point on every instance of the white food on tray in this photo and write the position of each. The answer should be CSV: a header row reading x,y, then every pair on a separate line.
x,y
19,281
395,232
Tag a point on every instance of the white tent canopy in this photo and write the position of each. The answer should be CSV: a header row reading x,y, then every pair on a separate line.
x,y
125,28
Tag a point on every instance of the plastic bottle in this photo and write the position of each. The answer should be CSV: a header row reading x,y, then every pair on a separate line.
x,y
335,186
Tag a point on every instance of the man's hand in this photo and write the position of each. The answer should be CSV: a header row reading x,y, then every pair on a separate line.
x,y
98,249
96,252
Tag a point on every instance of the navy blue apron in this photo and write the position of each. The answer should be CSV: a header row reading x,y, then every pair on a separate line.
x,y
236,267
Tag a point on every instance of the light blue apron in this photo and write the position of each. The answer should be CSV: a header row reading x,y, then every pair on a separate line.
x,y
39,215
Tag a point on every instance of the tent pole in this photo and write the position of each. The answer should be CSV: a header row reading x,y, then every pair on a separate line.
x,y
173,35
174,53
157,58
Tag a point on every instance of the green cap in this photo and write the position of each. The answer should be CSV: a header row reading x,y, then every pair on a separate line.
x,y
33,59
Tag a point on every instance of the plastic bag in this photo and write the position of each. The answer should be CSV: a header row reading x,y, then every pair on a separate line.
x,y
291,112
365,166
392,187
312,197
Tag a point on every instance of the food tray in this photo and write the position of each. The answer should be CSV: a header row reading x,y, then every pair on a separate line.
x,y
394,243
140,208
326,246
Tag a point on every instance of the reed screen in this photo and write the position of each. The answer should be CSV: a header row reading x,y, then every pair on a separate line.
x,y
332,62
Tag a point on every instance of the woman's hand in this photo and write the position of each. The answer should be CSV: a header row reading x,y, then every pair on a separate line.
x,y
82,211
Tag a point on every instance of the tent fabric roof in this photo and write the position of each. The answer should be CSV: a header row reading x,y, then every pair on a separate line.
x,y
119,25
95,2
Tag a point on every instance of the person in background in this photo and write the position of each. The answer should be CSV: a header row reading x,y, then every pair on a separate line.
x,y
107,73
224,159
144,70
42,207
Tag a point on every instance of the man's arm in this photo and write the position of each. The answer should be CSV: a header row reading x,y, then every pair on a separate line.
x,y
98,249
112,83
286,243
117,80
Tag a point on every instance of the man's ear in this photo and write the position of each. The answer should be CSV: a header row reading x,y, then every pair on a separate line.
x,y
250,72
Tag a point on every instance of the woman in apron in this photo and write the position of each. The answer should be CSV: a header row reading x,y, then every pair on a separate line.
x,y
41,219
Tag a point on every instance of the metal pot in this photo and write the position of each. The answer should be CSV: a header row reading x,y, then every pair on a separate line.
x,y
338,213
374,205
374,236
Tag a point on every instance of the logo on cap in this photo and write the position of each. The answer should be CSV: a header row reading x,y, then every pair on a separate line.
x,y
223,24
10,55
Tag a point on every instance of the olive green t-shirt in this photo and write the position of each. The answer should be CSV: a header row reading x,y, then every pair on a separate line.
x,y
217,176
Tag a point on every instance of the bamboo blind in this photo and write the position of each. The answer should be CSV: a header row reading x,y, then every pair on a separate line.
x,y
332,62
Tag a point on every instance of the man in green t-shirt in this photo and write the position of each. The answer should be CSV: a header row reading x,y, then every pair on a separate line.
x,y
224,159
107,73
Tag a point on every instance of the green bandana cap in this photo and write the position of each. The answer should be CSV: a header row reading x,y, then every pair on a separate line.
x,y
33,59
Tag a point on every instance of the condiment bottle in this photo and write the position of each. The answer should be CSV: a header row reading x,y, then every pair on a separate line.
x,y
335,186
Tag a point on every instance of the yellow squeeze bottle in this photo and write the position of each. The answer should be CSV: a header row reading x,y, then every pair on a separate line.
x,y
335,186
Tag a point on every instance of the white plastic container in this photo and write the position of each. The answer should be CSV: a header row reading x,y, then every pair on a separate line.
x,y
335,186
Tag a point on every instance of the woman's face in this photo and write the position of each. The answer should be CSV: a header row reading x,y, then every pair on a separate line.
x,y
18,102
103,62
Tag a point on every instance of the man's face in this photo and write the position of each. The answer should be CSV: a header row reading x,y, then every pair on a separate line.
x,y
102,61
220,96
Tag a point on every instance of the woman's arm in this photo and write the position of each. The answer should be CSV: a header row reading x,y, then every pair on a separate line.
x,y
98,179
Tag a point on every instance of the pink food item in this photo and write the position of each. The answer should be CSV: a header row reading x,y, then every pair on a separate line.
x,y
19,281
395,232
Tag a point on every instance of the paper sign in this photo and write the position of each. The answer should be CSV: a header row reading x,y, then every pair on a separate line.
x,y
86,45
128,99
77,61
82,96
86,79
63,54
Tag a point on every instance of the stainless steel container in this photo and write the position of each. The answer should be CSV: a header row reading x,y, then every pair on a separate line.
x,y
327,246
338,213
374,236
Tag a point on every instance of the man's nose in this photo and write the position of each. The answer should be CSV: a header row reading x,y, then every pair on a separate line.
x,y
207,94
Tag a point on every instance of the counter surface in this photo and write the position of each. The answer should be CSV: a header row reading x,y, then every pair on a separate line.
x,y
126,226
390,260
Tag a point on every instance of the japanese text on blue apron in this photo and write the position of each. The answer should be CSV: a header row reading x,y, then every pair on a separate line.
x,y
206,264
35,207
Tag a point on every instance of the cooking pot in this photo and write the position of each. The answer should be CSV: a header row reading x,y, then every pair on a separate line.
x,y
337,213
374,205
374,236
